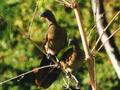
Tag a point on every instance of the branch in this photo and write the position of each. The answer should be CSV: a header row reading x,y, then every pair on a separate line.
x,y
104,33
67,3
105,30
23,74
33,16
89,58
28,38
88,38
108,38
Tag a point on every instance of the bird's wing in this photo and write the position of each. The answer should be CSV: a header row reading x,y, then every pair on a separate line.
x,y
45,77
56,38
67,54
66,58
44,42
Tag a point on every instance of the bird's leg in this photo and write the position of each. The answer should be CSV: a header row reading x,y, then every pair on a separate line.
x,y
54,58
66,86
69,75
57,59
58,62
68,83
76,81
48,55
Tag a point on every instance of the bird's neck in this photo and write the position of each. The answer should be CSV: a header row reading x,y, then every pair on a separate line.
x,y
51,22
76,48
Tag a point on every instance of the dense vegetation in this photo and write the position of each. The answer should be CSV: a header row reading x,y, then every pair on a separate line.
x,y
18,55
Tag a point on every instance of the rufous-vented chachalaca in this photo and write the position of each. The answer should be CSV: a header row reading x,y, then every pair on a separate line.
x,y
56,39
72,59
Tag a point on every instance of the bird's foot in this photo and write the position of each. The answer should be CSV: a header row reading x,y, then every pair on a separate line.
x,y
48,55
58,65
66,87
68,73
77,86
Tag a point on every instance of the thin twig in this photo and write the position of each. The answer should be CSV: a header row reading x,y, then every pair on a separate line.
x,y
105,30
108,38
88,38
91,31
60,2
28,38
31,22
67,3
23,74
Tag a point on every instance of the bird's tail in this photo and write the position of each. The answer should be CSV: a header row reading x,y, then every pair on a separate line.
x,y
45,77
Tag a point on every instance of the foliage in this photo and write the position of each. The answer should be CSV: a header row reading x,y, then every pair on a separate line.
x,y
18,55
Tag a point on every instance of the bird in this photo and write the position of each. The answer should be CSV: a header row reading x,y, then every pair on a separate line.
x,y
56,39
72,59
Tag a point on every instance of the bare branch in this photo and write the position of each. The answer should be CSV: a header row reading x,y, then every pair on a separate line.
x,y
23,74
89,58
31,22
65,2
91,32
88,38
28,38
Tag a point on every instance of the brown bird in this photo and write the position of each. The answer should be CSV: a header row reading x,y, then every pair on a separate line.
x,y
72,59
56,39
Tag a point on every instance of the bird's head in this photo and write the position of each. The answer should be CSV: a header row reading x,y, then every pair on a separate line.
x,y
73,41
47,14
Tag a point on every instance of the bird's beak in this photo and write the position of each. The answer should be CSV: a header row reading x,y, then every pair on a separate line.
x,y
41,15
69,42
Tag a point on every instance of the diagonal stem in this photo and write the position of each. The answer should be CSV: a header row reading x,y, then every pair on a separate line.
x,y
105,30
89,58
108,38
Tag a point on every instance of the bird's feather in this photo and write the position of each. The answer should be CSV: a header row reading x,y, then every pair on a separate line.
x,y
45,77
